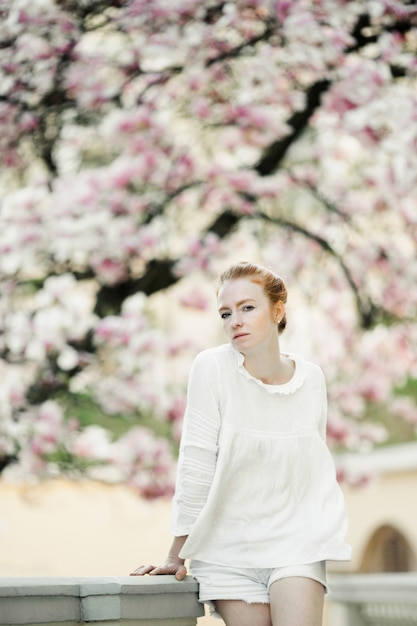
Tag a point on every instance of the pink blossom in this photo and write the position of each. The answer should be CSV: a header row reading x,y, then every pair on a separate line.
x,y
109,271
175,347
195,300
107,328
199,254
92,443
404,408
28,122
282,8
176,409
148,462
51,412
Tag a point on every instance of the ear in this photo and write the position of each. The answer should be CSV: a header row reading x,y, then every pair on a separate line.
x,y
278,311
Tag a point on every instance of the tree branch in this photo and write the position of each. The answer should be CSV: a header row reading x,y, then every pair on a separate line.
x,y
159,274
367,310
234,52
275,153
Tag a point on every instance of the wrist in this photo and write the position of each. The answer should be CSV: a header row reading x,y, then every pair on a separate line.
x,y
176,558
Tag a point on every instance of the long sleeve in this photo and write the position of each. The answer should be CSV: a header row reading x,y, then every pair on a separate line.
x,y
199,445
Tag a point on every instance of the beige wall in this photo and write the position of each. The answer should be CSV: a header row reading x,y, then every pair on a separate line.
x,y
388,499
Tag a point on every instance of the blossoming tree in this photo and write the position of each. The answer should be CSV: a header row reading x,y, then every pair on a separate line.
x,y
145,142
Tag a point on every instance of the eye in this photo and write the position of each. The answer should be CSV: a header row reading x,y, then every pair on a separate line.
x,y
248,307
225,315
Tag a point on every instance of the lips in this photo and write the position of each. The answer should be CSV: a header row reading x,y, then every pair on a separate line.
x,y
239,335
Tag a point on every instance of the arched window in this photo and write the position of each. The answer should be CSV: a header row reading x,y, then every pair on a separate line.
x,y
388,550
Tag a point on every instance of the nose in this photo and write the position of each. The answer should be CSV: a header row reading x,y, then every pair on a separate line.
x,y
236,321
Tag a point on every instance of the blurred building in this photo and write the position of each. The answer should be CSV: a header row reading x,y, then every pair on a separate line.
x,y
382,509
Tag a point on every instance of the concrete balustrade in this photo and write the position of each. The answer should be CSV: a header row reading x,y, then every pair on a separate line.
x,y
123,601
355,600
373,600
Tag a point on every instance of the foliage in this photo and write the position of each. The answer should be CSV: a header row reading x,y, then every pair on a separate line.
x,y
145,143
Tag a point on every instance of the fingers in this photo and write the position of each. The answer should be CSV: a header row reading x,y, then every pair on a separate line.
x,y
181,573
169,569
142,570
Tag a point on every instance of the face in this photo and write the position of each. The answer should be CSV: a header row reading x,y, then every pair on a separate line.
x,y
249,318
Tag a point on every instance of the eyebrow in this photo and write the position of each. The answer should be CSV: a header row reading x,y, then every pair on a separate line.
x,y
223,308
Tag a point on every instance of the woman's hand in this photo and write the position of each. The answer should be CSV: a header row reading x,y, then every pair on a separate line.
x,y
173,566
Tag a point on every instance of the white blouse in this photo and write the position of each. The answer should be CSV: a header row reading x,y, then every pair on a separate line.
x,y
256,483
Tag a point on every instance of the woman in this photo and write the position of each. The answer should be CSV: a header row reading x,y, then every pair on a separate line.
x,y
257,508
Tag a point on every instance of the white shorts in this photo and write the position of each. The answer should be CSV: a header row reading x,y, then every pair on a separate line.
x,y
221,582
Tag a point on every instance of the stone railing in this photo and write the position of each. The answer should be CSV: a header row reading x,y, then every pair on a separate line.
x,y
373,600
355,600
126,601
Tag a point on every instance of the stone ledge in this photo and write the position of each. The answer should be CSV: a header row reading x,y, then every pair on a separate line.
x,y
108,600
373,599
382,588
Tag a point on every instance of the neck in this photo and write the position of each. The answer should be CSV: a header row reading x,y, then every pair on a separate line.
x,y
269,366
277,373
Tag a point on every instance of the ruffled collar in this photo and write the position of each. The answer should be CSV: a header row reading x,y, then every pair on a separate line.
x,y
292,385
